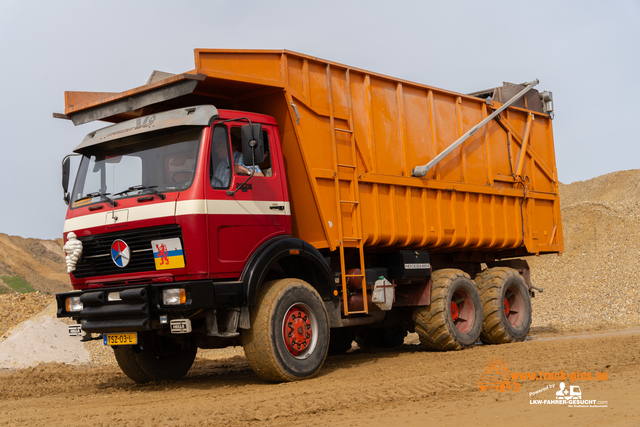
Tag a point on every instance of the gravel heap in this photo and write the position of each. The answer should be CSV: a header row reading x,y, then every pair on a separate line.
x,y
594,284
16,308
42,341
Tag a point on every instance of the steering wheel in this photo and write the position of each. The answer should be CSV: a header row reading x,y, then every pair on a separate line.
x,y
173,176
217,180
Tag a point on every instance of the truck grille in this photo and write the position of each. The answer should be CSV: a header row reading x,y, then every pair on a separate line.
x,y
96,251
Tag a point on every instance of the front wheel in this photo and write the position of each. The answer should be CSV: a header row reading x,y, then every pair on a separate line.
x,y
155,358
289,335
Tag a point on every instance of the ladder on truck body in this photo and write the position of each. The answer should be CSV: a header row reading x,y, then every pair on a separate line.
x,y
350,200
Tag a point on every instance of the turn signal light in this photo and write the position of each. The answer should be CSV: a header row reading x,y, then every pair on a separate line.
x,y
73,304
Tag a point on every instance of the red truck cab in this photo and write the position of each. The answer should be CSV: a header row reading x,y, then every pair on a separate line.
x,y
174,191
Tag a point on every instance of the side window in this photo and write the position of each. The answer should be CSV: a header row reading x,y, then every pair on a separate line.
x,y
220,167
266,166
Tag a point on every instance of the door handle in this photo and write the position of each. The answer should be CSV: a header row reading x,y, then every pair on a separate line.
x,y
277,207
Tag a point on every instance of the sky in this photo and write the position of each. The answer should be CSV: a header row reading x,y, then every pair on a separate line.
x,y
586,52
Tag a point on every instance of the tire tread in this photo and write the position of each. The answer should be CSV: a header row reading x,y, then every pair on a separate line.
x,y
490,283
431,321
258,342
144,366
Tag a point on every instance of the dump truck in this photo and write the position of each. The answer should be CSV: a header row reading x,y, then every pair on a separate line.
x,y
292,205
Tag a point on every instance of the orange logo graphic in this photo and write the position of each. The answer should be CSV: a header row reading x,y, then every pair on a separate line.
x,y
496,377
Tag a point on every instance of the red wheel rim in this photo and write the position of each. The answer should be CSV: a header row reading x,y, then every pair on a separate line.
x,y
299,331
465,311
455,311
513,304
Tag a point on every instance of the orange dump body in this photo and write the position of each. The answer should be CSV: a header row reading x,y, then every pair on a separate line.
x,y
351,139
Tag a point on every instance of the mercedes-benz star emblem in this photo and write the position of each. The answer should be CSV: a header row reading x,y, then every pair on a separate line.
x,y
120,253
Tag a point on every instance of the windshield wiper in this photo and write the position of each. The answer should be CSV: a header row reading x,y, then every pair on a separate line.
x,y
143,187
101,194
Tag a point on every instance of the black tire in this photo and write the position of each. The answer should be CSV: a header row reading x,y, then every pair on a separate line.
x,y
506,305
341,340
155,358
440,329
381,338
297,306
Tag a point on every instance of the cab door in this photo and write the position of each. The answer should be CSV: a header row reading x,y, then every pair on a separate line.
x,y
238,224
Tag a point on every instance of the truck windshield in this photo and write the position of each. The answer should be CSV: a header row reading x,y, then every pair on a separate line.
x,y
152,164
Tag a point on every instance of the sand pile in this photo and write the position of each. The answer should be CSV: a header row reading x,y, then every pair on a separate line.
x,y
595,283
617,187
44,340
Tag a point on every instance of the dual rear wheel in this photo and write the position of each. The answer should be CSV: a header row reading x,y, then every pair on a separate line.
x,y
453,320
506,306
495,309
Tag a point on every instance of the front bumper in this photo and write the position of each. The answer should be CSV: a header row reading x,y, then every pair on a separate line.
x,y
138,308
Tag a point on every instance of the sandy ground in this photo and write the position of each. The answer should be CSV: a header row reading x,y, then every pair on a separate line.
x,y
404,386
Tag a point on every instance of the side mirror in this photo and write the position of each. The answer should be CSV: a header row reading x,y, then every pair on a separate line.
x,y
66,166
252,144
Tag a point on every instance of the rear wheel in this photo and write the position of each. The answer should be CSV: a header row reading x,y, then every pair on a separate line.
x,y
506,305
155,358
453,320
289,335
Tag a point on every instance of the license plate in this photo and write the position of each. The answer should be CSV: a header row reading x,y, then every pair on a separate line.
x,y
128,338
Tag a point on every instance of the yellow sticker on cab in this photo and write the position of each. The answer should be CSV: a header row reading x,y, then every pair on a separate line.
x,y
82,202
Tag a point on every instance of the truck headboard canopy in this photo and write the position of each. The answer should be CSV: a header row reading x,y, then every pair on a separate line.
x,y
202,115
207,84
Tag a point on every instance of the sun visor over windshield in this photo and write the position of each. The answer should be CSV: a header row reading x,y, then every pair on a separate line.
x,y
202,115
